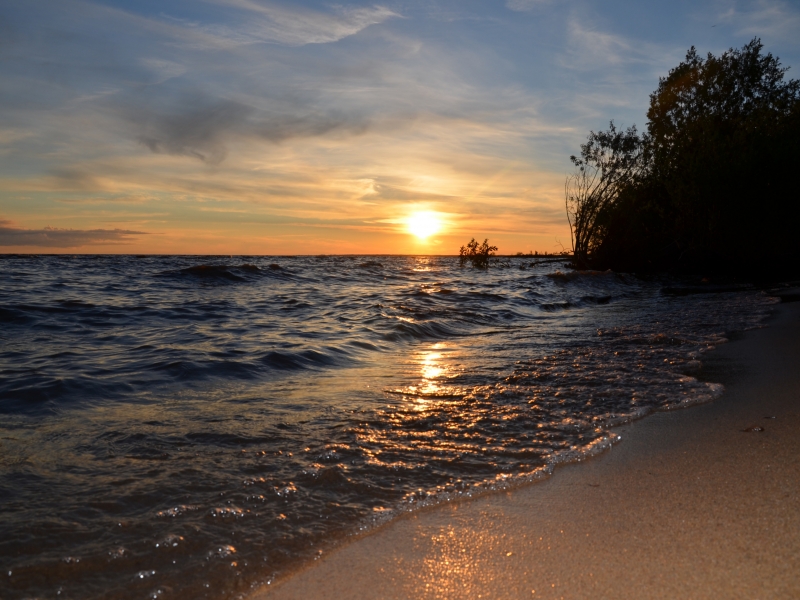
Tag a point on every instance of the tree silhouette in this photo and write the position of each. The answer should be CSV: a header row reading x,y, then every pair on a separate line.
x,y
609,161
709,187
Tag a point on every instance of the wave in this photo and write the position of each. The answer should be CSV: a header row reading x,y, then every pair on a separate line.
x,y
306,359
32,394
596,299
709,288
407,331
227,273
580,275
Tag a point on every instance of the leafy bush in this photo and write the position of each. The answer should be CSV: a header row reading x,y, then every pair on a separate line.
x,y
477,254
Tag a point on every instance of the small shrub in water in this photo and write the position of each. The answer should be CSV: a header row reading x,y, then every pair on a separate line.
x,y
477,254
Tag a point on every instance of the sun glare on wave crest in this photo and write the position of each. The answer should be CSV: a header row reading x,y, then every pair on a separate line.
x,y
424,224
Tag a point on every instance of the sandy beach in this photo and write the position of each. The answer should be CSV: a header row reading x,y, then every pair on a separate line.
x,y
696,503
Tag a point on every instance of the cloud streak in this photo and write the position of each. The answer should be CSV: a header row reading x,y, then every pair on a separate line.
x,y
203,128
268,22
52,237
591,47
766,18
525,5
197,132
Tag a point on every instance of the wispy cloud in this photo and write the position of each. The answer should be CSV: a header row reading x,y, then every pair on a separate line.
x,y
197,131
590,47
773,19
51,237
11,136
163,69
202,127
525,5
267,22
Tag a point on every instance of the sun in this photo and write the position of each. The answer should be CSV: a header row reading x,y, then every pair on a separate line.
x,y
423,224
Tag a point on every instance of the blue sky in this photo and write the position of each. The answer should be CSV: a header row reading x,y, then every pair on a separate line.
x,y
247,126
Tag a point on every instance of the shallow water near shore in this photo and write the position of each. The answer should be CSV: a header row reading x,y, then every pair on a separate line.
x,y
191,427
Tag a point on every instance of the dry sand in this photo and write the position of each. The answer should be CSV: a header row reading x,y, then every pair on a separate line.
x,y
688,505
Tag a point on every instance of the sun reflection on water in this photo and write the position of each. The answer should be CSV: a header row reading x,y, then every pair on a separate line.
x,y
432,367
423,264
435,369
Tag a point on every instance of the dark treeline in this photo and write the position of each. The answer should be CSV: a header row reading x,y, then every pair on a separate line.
x,y
711,187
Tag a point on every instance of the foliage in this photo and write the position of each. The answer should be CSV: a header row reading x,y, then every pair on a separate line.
x,y
609,161
709,186
742,89
477,254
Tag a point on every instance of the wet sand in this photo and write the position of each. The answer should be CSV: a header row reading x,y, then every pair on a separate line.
x,y
696,503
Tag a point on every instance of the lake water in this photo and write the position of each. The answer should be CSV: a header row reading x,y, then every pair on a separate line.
x,y
192,427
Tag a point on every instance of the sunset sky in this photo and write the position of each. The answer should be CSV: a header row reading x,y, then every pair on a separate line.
x,y
257,127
